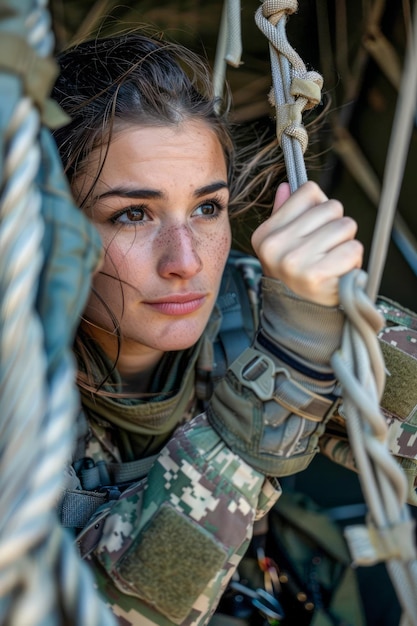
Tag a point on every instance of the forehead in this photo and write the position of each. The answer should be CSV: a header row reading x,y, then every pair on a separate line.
x,y
191,148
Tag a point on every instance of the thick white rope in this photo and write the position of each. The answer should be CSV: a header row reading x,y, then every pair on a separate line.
x,y
42,579
359,364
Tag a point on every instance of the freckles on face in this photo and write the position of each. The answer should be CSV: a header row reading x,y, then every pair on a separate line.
x,y
218,245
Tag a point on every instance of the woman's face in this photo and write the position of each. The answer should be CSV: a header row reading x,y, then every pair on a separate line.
x,y
160,207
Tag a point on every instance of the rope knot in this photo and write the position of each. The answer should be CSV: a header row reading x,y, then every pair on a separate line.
x,y
306,92
294,88
273,10
307,87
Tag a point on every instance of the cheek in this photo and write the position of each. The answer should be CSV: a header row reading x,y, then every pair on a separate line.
x,y
114,272
125,257
114,262
216,248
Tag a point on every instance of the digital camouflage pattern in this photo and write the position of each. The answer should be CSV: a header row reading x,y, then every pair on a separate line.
x,y
209,499
164,547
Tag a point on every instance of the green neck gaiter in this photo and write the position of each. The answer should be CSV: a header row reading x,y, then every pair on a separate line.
x,y
143,424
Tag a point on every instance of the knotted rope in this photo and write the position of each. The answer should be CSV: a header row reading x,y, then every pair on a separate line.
x,y
42,579
358,364
294,88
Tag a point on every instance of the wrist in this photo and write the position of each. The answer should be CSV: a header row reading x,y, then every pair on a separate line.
x,y
306,329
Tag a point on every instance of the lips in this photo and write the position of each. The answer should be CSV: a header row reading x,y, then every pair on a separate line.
x,y
179,304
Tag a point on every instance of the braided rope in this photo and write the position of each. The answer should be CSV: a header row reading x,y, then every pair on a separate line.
x,y
359,364
382,480
42,579
294,88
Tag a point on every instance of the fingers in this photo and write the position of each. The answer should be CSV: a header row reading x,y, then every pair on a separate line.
x,y
320,231
282,195
304,198
316,278
308,243
287,208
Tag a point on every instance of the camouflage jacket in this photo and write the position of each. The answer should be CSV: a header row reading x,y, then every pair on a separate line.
x,y
165,541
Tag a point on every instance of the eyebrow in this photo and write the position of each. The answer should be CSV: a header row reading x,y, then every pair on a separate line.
x,y
125,192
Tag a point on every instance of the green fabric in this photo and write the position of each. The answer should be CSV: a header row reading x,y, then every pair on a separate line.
x,y
274,438
206,484
310,330
400,393
171,563
143,425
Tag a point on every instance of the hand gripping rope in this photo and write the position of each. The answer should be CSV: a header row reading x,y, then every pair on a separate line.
x,y
358,364
43,582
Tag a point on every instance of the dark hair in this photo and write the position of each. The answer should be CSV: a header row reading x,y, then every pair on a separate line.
x,y
136,78
131,79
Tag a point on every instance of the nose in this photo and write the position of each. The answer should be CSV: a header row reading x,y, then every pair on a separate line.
x,y
179,255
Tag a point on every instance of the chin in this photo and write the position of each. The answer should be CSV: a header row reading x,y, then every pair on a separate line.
x,y
176,337
177,346
179,342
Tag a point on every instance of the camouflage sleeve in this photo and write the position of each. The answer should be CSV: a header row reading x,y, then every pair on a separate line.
x,y
168,548
273,404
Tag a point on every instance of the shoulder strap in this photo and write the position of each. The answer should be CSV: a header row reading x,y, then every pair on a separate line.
x,y
238,302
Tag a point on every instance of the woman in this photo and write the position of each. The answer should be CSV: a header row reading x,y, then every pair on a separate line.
x,y
169,475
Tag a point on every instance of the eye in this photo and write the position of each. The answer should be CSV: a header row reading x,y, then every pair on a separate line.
x,y
209,209
131,215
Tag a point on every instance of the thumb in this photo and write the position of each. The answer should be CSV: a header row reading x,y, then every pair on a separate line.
x,y
282,194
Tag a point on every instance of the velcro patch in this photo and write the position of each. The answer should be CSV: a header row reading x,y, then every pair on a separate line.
x,y
170,563
400,394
